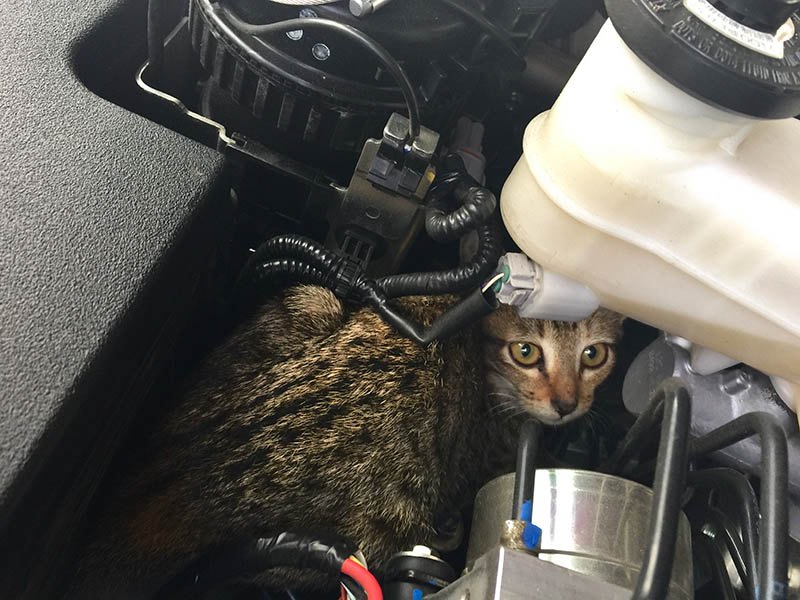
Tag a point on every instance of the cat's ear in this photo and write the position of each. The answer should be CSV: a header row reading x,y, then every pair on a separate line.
x,y
500,321
613,319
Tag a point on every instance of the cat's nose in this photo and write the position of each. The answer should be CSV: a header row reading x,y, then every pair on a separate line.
x,y
564,406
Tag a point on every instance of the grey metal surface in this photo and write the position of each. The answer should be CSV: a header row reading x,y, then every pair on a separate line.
x,y
716,400
97,209
503,574
592,523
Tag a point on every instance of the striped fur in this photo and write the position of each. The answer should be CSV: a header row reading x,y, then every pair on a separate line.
x,y
307,416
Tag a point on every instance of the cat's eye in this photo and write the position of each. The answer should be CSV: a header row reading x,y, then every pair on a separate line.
x,y
525,354
594,356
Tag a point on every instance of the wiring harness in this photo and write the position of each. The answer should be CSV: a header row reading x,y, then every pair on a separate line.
x,y
300,259
327,553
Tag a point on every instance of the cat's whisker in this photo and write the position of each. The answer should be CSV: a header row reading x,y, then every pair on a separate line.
x,y
500,395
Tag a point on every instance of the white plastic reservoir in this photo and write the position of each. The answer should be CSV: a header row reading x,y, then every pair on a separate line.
x,y
672,211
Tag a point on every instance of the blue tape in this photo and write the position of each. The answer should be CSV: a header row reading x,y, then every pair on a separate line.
x,y
531,536
416,595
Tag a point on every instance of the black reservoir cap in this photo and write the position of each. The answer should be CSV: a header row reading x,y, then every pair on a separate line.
x,y
717,53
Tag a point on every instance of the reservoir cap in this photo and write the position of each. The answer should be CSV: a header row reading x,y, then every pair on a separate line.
x,y
739,55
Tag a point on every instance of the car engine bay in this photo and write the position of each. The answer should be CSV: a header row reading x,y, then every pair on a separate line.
x,y
172,164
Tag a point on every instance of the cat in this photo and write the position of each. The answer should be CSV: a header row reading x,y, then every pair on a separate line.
x,y
315,416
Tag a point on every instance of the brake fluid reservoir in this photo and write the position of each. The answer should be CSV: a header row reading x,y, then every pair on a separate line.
x,y
667,175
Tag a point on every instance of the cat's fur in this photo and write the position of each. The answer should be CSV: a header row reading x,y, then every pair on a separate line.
x,y
311,416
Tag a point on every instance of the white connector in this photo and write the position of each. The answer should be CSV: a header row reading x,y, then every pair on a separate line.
x,y
537,293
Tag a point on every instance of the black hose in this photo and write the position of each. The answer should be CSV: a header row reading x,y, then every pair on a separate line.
x,y
527,449
478,204
378,51
476,18
457,280
643,429
734,483
243,559
773,542
155,40
253,278
296,246
668,486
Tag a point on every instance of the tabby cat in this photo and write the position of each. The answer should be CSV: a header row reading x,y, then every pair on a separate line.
x,y
312,416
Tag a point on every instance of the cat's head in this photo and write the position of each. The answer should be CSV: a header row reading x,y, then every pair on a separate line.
x,y
549,369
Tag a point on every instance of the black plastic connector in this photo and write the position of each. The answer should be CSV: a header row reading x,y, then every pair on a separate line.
x,y
401,163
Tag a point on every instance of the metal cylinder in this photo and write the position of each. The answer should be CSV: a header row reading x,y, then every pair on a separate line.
x,y
592,523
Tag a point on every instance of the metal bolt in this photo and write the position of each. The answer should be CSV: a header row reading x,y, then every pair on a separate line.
x,y
297,34
361,8
321,51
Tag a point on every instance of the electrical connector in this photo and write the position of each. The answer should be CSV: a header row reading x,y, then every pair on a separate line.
x,y
402,165
537,293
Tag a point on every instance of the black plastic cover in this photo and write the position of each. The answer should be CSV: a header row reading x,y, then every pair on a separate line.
x,y
105,221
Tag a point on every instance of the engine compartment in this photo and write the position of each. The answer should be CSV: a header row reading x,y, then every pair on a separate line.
x,y
264,141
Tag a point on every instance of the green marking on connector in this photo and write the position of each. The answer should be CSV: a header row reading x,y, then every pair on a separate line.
x,y
498,285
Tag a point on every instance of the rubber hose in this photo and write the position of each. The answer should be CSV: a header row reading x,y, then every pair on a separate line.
x,y
643,429
524,480
299,247
478,205
453,281
668,487
252,283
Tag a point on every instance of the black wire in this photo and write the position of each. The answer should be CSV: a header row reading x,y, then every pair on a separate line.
x,y
490,28
236,560
527,449
668,487
386,59
155,40
470,310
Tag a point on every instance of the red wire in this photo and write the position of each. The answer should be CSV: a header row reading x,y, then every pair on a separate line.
x,y
363,578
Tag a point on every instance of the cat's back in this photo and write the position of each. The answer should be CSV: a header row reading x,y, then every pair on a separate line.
x,y
308,415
